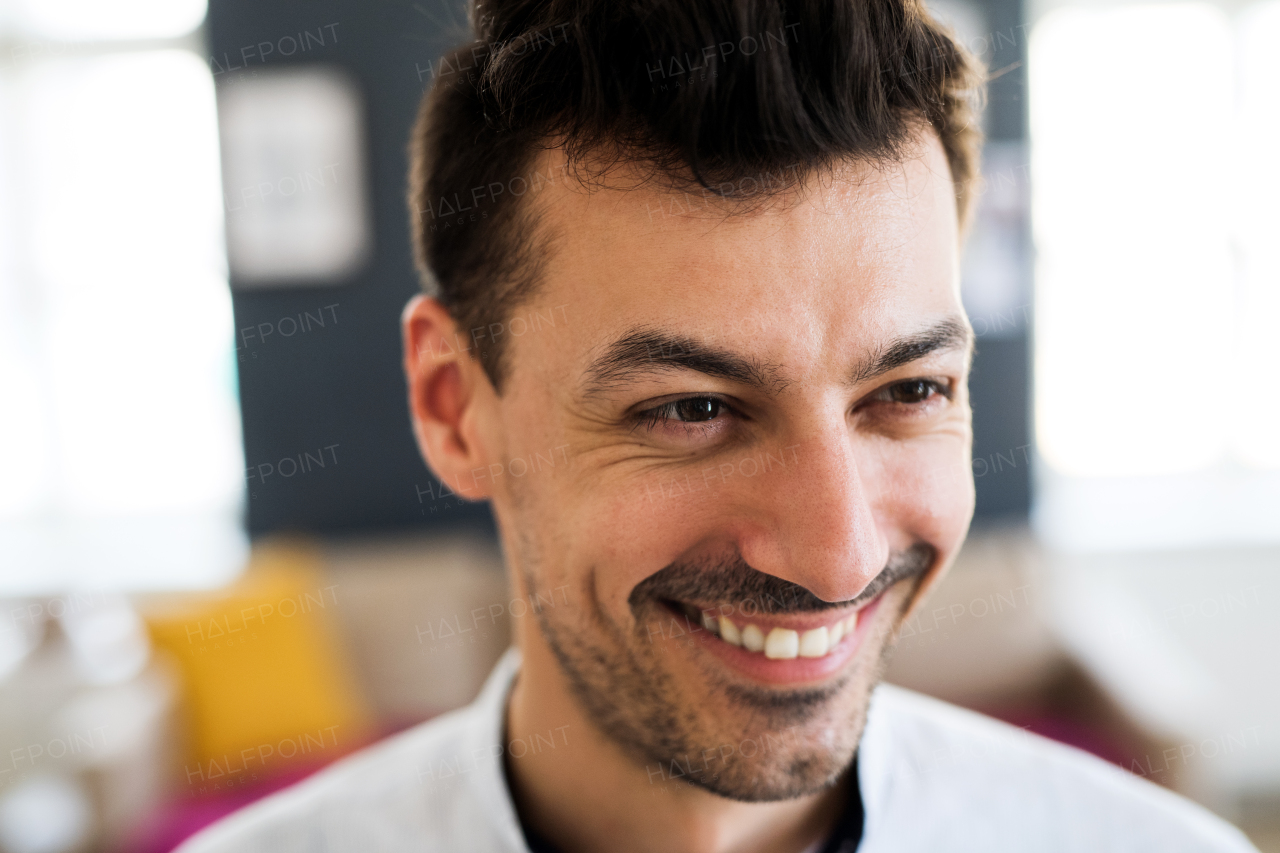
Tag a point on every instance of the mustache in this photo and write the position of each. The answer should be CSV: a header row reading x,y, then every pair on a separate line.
x,y
732,581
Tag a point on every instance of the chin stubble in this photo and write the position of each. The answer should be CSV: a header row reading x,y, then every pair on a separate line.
x,y
619,679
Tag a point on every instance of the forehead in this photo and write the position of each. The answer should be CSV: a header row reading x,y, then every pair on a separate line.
x,y
864,254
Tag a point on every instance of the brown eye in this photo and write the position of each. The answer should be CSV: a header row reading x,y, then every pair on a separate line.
x,y
914,391
696,409
691,415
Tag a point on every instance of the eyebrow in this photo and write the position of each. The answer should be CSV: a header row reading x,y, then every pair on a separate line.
x,y
949,334
645,351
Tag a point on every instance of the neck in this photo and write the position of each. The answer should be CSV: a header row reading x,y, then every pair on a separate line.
x,y
584,793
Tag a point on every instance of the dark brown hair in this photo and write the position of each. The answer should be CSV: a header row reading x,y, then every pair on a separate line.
x,y
705,93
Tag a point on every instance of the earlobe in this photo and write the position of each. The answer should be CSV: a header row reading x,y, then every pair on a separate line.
x,y
440,379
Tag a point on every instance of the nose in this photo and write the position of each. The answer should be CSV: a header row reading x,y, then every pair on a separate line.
x,y
812,520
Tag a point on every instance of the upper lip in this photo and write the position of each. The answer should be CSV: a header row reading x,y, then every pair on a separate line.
x,y
799,622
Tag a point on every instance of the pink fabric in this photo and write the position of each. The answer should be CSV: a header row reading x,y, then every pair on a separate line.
x,y
183,817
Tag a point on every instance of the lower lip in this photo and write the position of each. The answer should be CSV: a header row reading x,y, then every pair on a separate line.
x,y
756,666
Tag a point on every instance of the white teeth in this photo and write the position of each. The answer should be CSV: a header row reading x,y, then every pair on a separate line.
x,y
752,639
813,644
781,644
729,632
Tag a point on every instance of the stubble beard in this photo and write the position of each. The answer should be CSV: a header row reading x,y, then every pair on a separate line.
x,y
740,741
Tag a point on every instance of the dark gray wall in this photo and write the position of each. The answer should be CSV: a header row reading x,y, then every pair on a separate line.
x,y
1001,380
338,390
341,384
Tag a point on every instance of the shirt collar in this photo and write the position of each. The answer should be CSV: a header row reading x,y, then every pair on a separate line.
x,y
487,737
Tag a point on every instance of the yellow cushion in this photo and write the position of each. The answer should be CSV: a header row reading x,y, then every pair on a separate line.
x,y
266,681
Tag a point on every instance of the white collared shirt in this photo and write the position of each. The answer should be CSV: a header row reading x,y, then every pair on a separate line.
x,y
934,779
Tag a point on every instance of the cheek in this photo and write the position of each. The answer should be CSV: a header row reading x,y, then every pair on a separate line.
x,y
638,528
925,491
599,534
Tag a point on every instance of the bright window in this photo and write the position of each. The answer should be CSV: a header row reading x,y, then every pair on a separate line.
x,y
1158,274
97,20
120,438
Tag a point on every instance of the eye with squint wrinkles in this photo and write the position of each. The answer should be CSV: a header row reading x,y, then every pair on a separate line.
x,y
914,392
701,412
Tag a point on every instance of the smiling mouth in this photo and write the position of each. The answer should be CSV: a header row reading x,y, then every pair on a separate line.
x,y
774,641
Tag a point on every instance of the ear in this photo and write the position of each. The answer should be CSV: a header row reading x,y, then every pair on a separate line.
x,y
446,387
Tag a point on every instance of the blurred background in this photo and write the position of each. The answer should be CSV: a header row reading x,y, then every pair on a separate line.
x,y
223,564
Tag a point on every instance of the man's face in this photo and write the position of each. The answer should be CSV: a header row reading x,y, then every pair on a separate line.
x,y
760,420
